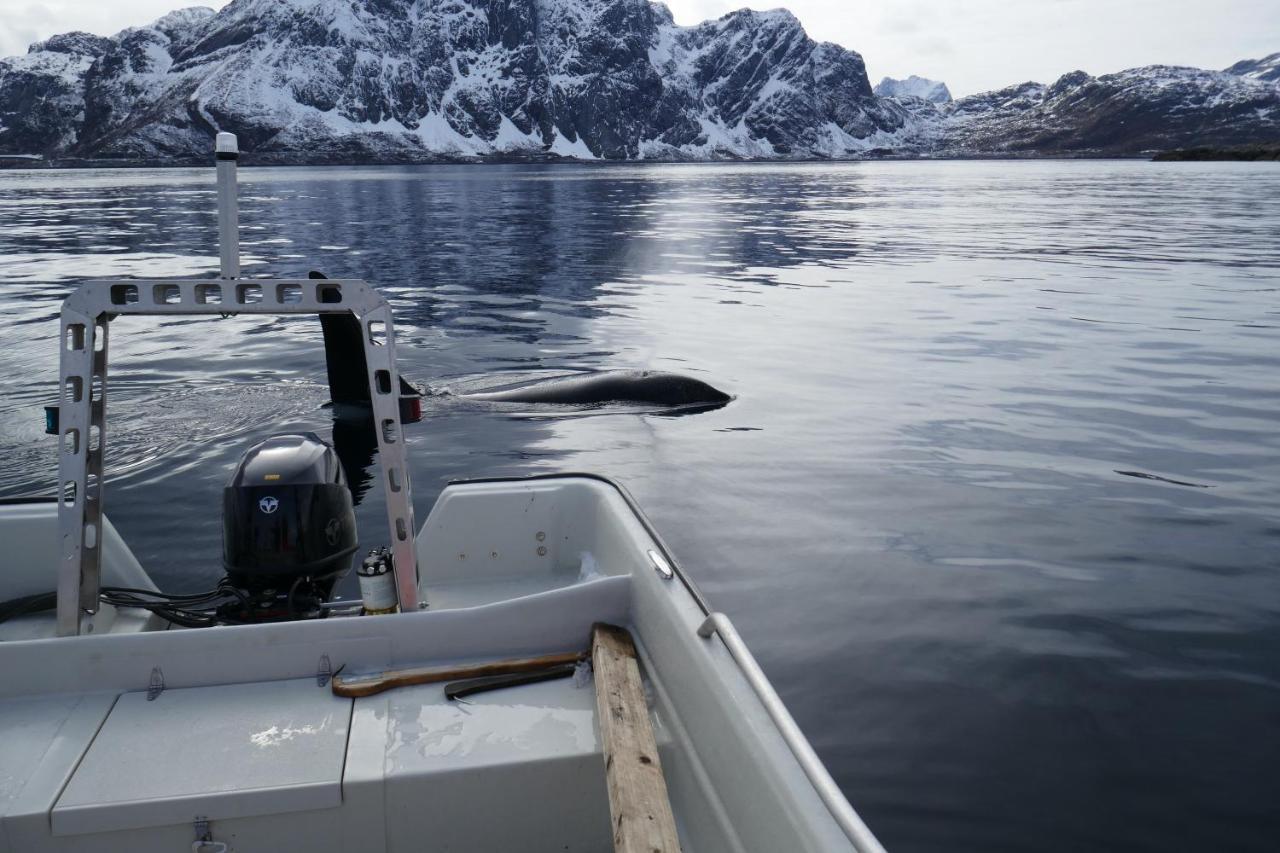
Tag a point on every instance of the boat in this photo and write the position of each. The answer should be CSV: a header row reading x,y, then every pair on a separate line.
x,y
530,670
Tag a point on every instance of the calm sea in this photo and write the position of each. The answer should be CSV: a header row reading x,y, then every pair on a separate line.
x,y
997,505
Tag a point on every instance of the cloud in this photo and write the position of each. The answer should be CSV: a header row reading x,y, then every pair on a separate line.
x,y
26,25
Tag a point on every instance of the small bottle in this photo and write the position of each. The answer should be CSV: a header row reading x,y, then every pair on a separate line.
x,y
377,584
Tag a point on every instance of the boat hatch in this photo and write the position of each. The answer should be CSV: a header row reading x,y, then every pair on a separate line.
x,y
230,751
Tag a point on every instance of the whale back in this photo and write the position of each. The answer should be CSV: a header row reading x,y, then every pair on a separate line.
x,y
615,386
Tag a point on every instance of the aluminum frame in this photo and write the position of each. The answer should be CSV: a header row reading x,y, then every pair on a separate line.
x,y
82,390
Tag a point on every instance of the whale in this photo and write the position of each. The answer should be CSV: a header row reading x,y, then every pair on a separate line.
x,y
648,387
348,375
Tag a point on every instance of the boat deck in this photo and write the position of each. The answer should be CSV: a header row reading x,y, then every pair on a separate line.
x,y
142,740
284,763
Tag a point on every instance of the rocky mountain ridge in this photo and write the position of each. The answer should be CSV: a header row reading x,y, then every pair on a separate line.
x,y
421,80
1266,69
914,87
613,79
1136,111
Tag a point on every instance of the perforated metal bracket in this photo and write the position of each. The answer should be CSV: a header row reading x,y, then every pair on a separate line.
x,y
86,314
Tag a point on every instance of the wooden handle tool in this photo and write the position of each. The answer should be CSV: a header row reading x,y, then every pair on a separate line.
x,y
355,686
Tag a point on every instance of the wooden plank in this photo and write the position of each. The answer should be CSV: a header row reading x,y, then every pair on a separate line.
x,y
367,685
638,800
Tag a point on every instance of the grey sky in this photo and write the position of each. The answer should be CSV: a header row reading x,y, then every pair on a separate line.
x,y
972,45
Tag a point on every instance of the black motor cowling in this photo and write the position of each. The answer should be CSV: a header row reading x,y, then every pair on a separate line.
x,y
288,521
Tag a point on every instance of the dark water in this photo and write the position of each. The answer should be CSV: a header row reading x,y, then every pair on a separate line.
x,y
915,510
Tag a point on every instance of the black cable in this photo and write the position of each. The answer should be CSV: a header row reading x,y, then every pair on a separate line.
x,y
224,584
185,618
190,610
144,595
27,604
130,601
179,609
288,601
155,593
194,606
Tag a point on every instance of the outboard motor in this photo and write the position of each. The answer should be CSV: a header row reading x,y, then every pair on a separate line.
x,y
288,529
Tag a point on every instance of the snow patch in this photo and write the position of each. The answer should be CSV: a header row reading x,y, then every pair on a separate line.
x,y
510,138
436,134
577,148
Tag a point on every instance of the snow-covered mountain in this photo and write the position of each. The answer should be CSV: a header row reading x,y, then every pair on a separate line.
x,y
407,80
1146,109
1266,69
932,91
415,78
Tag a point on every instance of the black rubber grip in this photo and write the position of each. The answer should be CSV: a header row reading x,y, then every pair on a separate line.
x,y
472,686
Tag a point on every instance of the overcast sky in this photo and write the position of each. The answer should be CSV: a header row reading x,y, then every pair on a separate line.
x,y
972,45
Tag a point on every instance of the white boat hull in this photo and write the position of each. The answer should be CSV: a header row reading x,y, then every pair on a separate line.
x,y
241,733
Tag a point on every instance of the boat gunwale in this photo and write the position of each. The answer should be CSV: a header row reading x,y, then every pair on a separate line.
x,y
632,504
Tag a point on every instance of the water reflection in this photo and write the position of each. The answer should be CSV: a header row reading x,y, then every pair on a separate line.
x,y
356,444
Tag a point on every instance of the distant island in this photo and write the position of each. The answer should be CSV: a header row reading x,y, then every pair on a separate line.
x,y
352,81
1247,153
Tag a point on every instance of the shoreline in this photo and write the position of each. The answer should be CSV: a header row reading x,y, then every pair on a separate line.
x,y
248,160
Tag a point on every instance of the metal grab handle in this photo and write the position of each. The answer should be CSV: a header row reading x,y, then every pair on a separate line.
x,y
827,789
